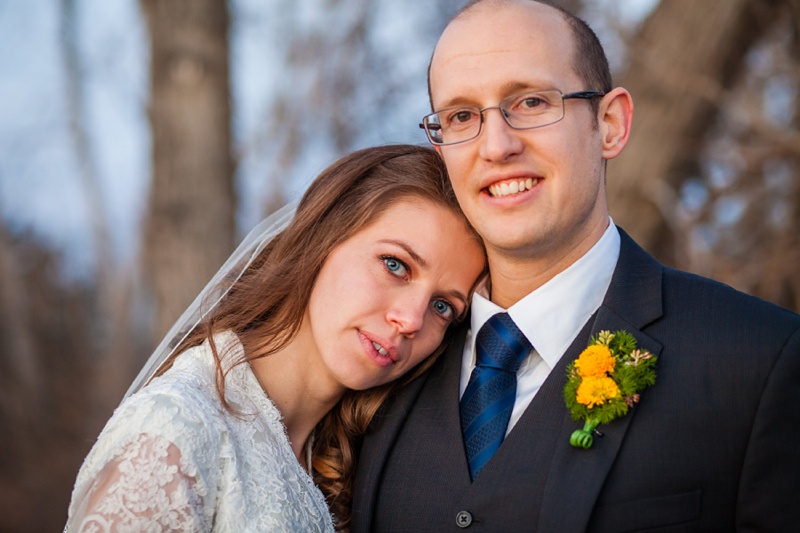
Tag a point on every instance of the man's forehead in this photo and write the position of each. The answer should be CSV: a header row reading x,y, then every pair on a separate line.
x,y
513,45
492,29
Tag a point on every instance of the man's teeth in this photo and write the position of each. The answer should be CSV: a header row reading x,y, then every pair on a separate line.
x,y
513,187
381,350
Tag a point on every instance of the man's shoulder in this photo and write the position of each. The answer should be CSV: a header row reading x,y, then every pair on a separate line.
x,y
702,290
702,313
682,288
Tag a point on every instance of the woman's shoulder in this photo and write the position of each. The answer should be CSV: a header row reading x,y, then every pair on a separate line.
x,y
170,412
181,407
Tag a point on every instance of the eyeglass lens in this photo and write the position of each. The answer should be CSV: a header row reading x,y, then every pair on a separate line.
x,y
522,111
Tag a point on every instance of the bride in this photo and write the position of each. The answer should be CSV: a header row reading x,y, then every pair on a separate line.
x,y
254,404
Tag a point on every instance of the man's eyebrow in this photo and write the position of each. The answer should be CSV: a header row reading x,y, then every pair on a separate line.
x,y
458,101
409,250
508,89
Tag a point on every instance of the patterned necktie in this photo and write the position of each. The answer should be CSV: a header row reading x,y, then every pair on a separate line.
x,y
489,397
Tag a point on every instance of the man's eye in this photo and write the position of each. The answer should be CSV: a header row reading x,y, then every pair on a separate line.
x,y
444,309
461,116
531,102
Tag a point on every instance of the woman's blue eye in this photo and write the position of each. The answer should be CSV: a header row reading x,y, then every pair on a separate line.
x,y
395,266
444,309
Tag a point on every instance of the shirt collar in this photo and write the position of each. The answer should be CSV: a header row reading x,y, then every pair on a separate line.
x,y
552,315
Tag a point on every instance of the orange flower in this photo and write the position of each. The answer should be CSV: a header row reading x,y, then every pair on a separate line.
x,y
595,361
596,390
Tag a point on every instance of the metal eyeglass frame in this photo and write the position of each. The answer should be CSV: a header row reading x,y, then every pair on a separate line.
x,y
583,95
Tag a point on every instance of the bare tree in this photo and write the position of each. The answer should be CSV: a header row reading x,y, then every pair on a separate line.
x,y
709,181
113,283
58,373
342,87
684,59
48,412
755,154
190,227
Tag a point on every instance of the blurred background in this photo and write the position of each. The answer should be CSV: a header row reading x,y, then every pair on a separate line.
x,y
141,139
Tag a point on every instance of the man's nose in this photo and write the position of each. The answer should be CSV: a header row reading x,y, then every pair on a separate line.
x,y
498,140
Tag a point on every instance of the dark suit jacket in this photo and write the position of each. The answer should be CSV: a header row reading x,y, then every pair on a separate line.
x,y
714,445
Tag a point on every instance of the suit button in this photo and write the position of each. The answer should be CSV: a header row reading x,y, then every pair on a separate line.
x,y
463,519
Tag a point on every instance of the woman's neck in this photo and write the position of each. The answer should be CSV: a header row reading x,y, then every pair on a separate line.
x,y
296,384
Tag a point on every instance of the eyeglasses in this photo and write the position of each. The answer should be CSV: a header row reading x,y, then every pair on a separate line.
x,y
522,112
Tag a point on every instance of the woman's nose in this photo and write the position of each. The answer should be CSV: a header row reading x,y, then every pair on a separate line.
x,y
407,314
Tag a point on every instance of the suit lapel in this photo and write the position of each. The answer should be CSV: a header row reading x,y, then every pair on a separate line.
x,y
576,476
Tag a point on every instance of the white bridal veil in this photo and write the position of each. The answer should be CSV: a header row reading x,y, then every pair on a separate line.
x,y
215,290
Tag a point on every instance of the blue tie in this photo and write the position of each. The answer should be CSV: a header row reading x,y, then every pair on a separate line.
x,y
489,397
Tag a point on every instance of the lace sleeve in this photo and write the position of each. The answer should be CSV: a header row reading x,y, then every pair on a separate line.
x,y
154,466
146,489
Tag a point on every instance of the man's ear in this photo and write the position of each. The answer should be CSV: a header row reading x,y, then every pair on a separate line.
x,y
615,115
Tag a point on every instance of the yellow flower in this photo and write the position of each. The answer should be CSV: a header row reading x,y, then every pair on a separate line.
x,y
595,361
596,390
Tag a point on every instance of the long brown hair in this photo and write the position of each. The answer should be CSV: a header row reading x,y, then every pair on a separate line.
x,y
265,307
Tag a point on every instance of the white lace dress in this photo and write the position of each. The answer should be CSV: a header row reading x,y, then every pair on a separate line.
x,y
171,458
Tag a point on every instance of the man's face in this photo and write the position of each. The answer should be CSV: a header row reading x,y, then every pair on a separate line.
x,y
481,59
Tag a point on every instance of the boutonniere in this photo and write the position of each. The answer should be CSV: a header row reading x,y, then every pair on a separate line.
x,y
605,381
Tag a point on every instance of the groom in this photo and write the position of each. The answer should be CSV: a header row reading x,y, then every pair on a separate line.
x,y
711,446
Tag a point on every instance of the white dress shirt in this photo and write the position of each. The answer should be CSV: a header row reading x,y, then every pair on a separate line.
x,y
550,317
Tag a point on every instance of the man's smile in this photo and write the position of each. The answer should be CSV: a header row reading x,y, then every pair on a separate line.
x,y
506,188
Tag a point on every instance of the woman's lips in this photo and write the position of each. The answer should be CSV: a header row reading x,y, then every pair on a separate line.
x,y
383,353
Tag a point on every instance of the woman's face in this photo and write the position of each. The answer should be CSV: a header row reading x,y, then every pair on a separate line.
x,y
384,298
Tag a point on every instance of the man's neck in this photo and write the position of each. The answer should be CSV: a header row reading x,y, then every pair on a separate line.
x,y
513,275
512,280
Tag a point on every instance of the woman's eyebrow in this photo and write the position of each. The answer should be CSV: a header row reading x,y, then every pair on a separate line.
x,y
457,295
409,250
